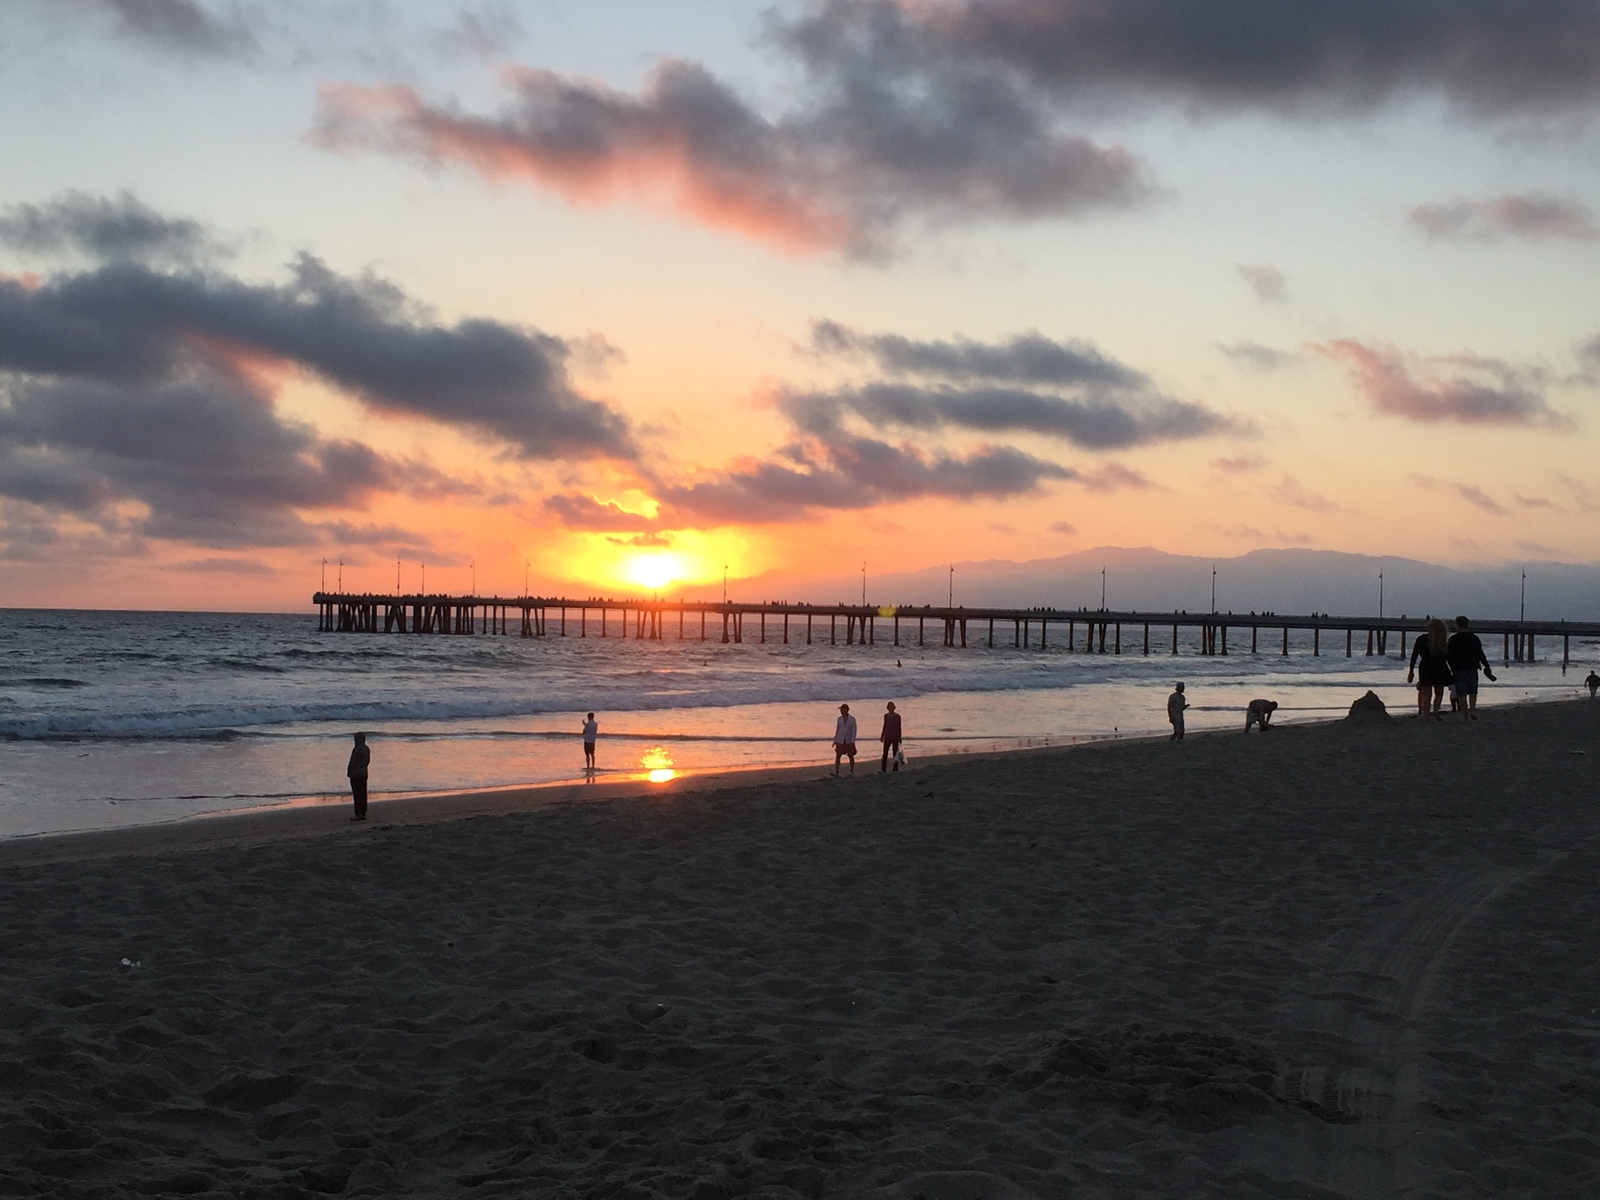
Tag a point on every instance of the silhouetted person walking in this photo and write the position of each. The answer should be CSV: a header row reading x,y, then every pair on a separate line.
x,y
1466,656
360,760
1431,654
890,737
1592,682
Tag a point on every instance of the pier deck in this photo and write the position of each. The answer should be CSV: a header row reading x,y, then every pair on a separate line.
x,y
1096,631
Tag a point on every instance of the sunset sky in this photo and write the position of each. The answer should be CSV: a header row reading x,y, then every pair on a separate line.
x,y
611,294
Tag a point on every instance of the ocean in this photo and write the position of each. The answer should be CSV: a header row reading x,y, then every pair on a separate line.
x,y
123,718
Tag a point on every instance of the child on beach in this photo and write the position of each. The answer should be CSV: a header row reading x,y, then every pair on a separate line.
x,y
1175,706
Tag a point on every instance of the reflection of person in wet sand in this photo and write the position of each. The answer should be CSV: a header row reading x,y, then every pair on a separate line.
x,y
1592,682
591,727
360,760
1259,713
844,739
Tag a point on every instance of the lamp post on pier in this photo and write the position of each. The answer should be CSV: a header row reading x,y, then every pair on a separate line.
x,y
324,586
952,600
724,583
1213,587
1380,595
341,576
1522,606
863,585
1102,589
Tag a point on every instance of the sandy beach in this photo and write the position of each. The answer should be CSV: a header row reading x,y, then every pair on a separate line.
x,y
1345,960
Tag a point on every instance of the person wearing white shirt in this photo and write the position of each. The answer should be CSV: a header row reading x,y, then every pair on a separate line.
x,y
591,727
844,739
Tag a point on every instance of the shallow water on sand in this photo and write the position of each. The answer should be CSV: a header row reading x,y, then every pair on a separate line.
x,y
112,719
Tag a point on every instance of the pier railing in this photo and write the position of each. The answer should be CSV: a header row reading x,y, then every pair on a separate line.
x,y
1094,631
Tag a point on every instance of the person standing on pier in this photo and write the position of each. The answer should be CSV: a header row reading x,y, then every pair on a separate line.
x,y
1176,705
1466,656
591,728
844,739
360,760
890,737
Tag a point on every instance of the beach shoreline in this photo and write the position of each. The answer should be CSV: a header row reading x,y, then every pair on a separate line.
x,y
1349,959
327,815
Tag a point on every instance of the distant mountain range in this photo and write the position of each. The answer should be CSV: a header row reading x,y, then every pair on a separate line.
x,y
1285,581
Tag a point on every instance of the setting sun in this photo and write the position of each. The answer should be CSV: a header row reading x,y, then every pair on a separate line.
x,y
656,569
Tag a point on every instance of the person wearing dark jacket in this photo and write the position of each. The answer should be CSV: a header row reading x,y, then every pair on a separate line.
x,y
1465,656
890,737
1430,655
360,759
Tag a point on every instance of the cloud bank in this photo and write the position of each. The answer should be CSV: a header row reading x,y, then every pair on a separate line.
x,y
937,111
844,173
142,402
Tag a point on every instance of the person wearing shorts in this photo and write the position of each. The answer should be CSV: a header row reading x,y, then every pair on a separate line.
x,y
844,739
1466,657
591,730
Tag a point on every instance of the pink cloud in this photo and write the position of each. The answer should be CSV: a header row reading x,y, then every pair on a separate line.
x,y
1535,216
1465,389
825,178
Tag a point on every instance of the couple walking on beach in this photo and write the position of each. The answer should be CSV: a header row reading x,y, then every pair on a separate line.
x,y
844,740
1443,660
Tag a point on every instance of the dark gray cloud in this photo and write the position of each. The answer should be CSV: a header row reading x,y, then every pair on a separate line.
x,y
1094,424
117,228
1028,358
848,473
127,324
181,26
1462,389
1107,405
1532,217
206,458
863,153
1485,56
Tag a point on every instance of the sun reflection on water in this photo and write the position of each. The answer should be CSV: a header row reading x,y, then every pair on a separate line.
x,y
658,765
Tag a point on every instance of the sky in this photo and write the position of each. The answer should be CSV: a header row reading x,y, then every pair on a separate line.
x,y
612,297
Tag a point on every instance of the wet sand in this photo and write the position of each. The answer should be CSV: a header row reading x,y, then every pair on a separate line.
x,y
1345,960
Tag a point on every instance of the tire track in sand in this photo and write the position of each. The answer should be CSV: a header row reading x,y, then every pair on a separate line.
x,y
1362,1025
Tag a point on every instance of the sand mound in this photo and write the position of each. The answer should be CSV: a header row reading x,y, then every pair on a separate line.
x,y
1368,708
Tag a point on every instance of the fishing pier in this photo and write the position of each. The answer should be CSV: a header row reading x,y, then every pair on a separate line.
x,y
1090,631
